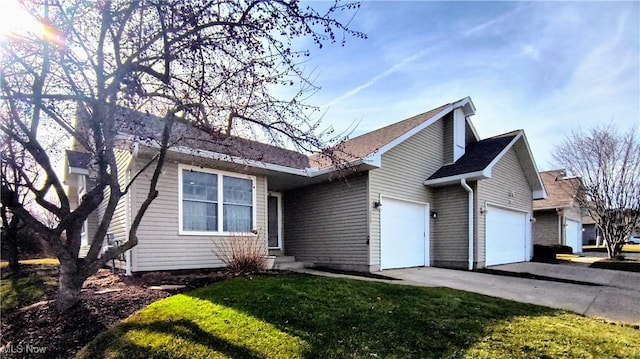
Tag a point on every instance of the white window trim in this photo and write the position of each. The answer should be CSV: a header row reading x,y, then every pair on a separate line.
x,y
277,195
220,203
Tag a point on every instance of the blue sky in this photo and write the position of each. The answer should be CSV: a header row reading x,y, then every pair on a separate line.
x,y
545,67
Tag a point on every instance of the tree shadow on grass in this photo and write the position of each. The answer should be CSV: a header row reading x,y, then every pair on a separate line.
x,y
339,318
115,344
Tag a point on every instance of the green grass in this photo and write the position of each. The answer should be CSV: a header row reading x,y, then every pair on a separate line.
x,y
627,248
39,261
36,279
297,316
18,292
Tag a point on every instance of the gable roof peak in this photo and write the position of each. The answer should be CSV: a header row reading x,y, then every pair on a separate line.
x,y
382,139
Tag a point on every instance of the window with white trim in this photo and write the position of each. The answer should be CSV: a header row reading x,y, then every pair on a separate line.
x,y
215,202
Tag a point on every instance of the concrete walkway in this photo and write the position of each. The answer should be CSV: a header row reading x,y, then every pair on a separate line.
x,y
614,296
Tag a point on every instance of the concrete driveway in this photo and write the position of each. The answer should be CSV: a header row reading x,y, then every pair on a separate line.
x,y
614,295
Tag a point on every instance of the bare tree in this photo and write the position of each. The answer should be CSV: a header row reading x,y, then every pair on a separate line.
x,y
12,157
210,64
608,163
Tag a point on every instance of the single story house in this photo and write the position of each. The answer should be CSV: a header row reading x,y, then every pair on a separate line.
x,y
425,191
558,218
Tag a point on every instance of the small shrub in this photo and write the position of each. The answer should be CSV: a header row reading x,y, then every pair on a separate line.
x,y
561,249
242,253
542,253
547,254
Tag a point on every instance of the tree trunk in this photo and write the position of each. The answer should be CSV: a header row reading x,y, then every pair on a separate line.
x,y
12,249
10,228
69,284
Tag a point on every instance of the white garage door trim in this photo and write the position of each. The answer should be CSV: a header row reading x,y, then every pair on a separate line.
x,y
573,235
408,220
502,225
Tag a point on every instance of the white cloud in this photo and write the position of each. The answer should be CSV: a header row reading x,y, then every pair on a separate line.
x,y
542,67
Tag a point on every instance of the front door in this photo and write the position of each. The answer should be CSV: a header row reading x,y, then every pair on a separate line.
x,y
274,214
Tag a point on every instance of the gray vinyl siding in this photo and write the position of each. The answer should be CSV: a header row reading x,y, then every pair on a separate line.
x,y
402,174
508,188
546,228
326,224
573,213
160,246
119,222
450,230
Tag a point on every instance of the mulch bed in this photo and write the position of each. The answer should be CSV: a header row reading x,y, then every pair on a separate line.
x,y
106,299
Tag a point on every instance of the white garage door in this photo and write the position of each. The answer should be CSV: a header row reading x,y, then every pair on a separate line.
x,y
574,235
404,231
506,236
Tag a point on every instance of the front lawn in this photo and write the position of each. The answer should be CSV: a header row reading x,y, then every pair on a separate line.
x,y
38,277
289,316
627,248
39,261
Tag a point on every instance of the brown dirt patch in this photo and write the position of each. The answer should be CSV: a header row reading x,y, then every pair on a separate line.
x,y
106,299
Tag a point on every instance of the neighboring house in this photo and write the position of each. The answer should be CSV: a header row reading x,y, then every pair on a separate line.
x,y
591,234
426,191
558,218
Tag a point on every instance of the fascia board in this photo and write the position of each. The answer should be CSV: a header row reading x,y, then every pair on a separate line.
x,y
467,106
456,179
238,160
78,171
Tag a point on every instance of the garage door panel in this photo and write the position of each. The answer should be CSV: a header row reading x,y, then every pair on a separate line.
x,y
505,236
574,235
403,231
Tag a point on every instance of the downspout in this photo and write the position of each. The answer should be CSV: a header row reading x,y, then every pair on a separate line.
x,y
464,185
127,213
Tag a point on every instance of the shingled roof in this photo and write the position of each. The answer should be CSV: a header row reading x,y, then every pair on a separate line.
x,y
560,190
370,142
477,157
77,159
146,127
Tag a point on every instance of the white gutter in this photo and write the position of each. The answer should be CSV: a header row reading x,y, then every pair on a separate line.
x,y
464,185
309,172
442,181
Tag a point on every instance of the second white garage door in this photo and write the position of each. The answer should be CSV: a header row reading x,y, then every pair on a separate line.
x,y
574,235
404,232
506,236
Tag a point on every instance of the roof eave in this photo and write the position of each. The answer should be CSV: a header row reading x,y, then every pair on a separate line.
x,y
363,163
471,176
222,157
368,163
77,170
